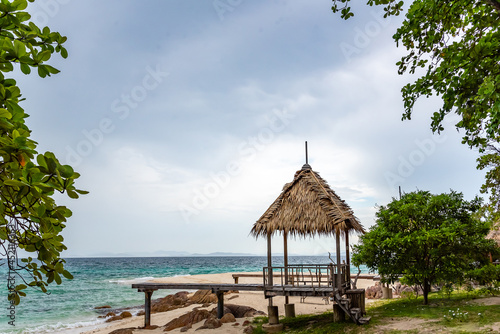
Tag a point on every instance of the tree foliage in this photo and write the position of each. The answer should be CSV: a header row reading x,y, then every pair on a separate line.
x,y
490,161
457,45
30,218
427,239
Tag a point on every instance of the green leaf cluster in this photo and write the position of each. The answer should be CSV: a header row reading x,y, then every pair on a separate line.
x,y
29,215
426,239
456,44
490,161
455,47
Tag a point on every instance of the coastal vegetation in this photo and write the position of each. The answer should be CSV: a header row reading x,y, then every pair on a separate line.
x,y
462,311
453,46
424,239
30,218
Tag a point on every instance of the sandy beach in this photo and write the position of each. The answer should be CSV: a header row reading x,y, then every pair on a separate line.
x,y
253,299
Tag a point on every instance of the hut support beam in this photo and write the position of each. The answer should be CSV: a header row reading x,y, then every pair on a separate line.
x,y
269,266
285,261
339,282
347,259
220,303
147,308
289,308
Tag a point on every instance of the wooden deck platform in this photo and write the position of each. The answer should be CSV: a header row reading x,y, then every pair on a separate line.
x,y
197,286
219,289
303,280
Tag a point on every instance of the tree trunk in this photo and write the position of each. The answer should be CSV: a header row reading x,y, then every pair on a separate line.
x,y
427,288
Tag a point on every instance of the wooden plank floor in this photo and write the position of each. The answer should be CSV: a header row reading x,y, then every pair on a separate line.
x,y
275,290
197,286
269,292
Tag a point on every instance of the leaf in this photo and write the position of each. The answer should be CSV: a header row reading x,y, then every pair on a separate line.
x,y
51,70
64,53
72,194
5,113
17,300
3,233
41,160
59,267
51,165
44,56
20,4
25,68
57,278
19,48
67,274
40,210
42,71
66,171
46,236
14,183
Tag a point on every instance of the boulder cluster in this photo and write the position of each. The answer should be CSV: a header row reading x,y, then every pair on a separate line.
x,y
231,312
375,292
182,299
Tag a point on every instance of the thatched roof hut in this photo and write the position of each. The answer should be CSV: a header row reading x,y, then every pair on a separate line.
x,y
307,206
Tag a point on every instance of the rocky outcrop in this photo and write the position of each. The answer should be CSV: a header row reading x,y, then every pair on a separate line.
x,y
171,302
374,292
188,319
239,311
203,297
101,307
122,315
109,314
401,289
231,312
211,323
248,330
228,317
123,331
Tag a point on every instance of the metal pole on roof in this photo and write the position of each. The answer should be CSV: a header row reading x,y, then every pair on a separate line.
x,y
307,159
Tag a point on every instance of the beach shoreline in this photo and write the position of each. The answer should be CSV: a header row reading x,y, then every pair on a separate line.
x,y
254,299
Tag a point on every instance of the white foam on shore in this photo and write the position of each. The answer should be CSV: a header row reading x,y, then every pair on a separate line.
x,y
132,281
65,328
186,275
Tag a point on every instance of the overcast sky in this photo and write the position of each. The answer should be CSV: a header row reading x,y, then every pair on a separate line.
x,y
186,118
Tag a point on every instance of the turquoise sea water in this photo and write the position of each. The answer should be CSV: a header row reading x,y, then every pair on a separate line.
x,y
107,281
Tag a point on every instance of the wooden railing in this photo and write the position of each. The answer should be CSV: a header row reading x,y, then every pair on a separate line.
x,y
314,275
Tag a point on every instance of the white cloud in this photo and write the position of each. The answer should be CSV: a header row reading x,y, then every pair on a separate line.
x,y
249,89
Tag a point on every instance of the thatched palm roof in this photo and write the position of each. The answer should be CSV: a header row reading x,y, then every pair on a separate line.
x,y
307,206
494,233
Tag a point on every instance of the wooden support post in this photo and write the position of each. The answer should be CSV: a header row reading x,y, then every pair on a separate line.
x,y
147,308
285,260
220,303
347,260
339,279
269,266
273,315
338,313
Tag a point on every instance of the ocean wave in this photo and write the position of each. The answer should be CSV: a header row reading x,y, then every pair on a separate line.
x,y
64,328
132,281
